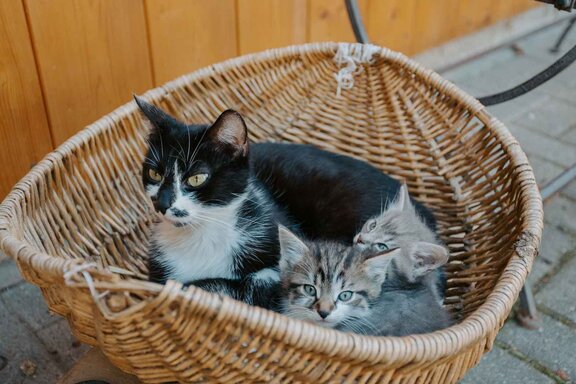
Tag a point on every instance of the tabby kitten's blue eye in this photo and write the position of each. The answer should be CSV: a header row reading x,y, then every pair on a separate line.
x,y
345,295
381,247
310,290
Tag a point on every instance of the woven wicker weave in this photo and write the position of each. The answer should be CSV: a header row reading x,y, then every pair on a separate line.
x,y
78,223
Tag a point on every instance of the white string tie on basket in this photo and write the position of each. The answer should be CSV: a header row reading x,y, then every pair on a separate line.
x,y
82,268
348,57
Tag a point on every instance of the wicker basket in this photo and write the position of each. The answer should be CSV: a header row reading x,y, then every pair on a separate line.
x,y
78,223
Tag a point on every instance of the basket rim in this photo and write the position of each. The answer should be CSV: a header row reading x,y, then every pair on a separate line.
x,y
484,321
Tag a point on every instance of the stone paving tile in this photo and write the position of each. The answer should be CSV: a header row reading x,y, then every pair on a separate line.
x,y
544,146
561,212
26,300
476,67
60,342
552,346
570,136
560,90
570,190
19,344
560,293
498,366
555,244
516,108
544,170
508,74
552,118
9,274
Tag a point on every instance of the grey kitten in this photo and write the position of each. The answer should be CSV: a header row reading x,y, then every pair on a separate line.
x,y
401,227
362,291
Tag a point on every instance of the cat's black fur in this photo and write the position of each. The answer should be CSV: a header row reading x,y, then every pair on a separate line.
x,y
330,195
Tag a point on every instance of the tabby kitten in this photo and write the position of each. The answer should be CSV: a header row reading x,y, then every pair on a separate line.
x,y
217,220
362,291
400,226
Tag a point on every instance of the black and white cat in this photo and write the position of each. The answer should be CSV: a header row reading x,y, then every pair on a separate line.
x,y
217,222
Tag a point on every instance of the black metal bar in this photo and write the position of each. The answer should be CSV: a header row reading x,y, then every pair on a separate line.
x,y
563,5
527,314
542,77
556,47
356,21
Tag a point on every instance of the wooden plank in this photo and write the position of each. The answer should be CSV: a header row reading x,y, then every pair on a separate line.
x,y
506,9
391,23
329,20
189,34
24,130
270,24
475,15
435,23
92,56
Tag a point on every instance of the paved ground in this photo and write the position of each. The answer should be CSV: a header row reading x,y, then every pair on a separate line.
x,y
33,341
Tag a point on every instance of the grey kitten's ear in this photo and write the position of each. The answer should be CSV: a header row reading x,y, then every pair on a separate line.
x,y
376,266
403,201
292,249
230,130
161,121
426,257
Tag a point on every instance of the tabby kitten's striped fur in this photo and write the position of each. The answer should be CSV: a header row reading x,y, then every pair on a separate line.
x,y
354,290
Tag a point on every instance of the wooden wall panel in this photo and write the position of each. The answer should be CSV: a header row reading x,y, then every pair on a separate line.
x,y
189,34
328,20
92,56
435,23
24,132
390,23
271,23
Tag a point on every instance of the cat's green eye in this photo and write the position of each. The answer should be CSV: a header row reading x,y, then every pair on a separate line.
x,y
310,290
345,295
154,175
197,180
381,247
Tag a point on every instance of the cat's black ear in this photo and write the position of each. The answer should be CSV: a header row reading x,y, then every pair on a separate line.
x,y
230,130
376,264
161,121
292,249
426,257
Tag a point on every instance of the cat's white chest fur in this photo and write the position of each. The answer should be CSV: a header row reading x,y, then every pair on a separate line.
x,y
203,251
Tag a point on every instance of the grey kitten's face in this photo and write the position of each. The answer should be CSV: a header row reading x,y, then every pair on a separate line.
x,y
398,226
328,284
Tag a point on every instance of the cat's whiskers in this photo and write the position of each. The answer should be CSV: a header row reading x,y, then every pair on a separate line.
x,y
195,152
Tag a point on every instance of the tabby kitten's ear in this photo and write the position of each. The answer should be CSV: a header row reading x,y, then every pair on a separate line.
x,y
376,265
230,131
403,202
292,249
161,121
426,257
